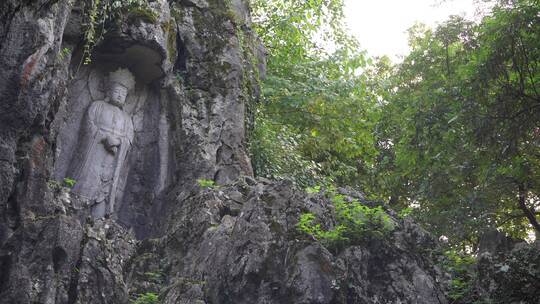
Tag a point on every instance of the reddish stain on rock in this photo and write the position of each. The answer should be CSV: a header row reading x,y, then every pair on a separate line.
x,y
28,68
38,152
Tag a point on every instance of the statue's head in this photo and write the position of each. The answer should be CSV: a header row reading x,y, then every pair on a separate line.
x,y
121,82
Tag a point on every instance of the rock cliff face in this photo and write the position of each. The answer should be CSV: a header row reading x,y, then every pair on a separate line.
x,y
196,66
506,271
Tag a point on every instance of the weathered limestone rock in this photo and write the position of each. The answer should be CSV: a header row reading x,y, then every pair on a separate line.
x,y
507,271
240,244
196,67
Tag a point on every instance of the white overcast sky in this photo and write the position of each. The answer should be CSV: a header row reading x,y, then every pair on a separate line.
x,y
380,25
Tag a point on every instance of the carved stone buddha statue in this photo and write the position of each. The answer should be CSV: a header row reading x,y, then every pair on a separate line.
x,y
106,138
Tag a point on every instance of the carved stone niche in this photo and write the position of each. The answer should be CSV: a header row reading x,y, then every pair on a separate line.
x,y
118,154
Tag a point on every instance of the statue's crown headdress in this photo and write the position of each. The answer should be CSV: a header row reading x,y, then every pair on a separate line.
x,y
123,77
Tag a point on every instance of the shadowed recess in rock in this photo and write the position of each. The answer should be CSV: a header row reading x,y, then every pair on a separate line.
x,y
5,266
59,257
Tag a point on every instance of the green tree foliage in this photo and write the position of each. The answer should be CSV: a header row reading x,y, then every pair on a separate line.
x,y
276,153
315,100
452,132
461,267
459,135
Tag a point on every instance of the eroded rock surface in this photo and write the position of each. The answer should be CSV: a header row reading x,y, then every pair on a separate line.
x,y
240,244
506,271
196,66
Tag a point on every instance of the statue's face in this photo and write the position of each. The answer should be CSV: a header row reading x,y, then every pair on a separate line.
x,y
117,94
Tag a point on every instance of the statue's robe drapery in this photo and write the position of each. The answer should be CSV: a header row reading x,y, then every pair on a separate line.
x,y
95,169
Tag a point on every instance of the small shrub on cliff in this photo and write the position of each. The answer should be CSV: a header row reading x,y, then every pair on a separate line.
x,y
69,182
64,53
206,183
147,298
54,185
355,222
57,186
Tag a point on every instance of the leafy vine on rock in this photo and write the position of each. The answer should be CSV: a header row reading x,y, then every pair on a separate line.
x,y
99,14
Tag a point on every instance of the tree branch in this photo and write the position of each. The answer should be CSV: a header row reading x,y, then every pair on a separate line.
x,y
522,198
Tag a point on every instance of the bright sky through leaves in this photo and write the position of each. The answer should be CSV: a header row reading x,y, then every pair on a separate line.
x,y
380,25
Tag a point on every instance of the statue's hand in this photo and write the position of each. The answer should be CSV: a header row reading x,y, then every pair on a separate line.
x,y
111,144
113,150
